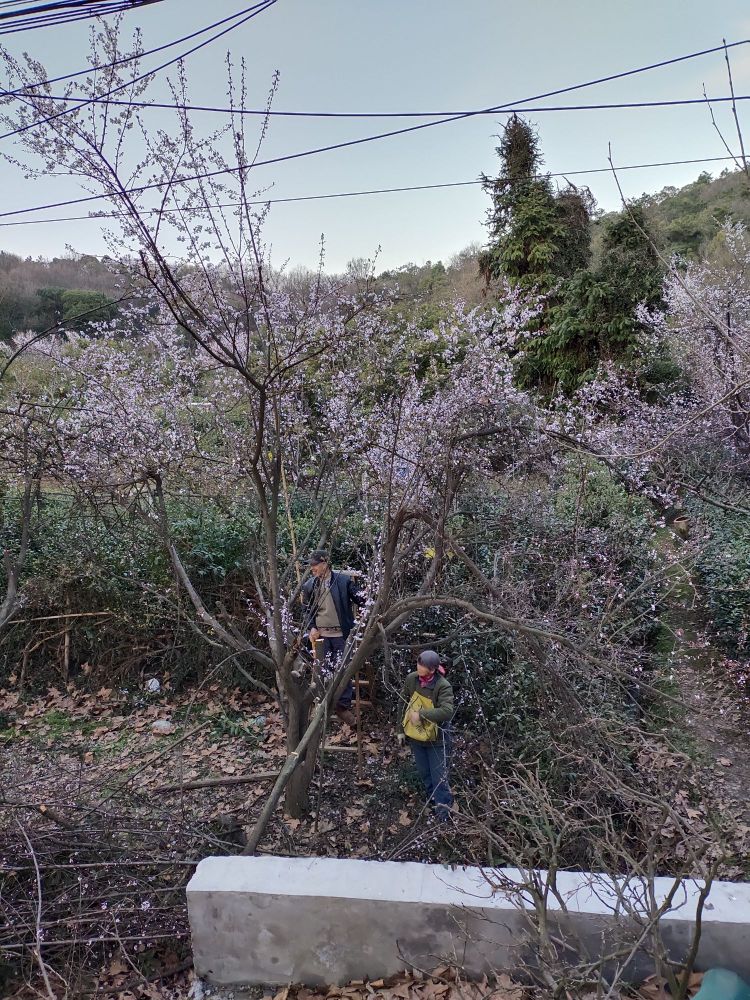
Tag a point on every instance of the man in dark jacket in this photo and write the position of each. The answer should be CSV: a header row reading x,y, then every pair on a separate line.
x,y
328,598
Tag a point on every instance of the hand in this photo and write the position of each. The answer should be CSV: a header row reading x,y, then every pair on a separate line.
x,y
314,635
414,718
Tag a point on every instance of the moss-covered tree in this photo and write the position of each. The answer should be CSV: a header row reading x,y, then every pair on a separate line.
x,y
596,317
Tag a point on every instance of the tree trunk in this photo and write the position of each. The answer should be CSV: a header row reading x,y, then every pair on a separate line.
x,y
297,793
306,740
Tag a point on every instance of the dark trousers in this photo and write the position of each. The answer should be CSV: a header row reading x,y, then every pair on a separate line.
x,y
333,651
431,760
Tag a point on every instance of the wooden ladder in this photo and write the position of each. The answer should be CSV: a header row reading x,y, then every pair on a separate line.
x,y
368,683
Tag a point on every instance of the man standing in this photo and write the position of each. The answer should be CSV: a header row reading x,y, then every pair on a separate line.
x,y
327,598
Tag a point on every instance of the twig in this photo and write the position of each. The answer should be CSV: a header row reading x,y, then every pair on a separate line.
x,y
734,110
100,940
695,943
43,810
141,978
38,944
719,132
51,618
321,764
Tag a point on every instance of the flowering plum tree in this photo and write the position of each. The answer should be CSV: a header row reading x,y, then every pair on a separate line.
x,y
239,384
224,379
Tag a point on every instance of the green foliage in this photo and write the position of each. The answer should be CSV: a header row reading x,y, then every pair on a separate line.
x,y
594,318
21,311
579,550
527,225
82,310
50,309
723,567
536,235
16,312
576,208
686,220
113,570
590,496
102,559
214,541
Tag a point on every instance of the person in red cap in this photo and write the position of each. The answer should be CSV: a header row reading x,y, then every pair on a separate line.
x,y
428,697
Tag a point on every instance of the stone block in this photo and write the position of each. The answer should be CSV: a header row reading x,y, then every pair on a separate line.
x,y
319,921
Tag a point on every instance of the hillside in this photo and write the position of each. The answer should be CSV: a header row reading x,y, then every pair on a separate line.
x,y
685,220
34,293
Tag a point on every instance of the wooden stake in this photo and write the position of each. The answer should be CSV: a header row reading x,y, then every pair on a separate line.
x,y
66,641
358,710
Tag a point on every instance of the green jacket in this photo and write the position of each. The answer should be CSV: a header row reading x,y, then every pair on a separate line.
x,y
440,694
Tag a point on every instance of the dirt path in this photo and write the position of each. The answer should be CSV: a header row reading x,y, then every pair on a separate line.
x,y
718,725
710,719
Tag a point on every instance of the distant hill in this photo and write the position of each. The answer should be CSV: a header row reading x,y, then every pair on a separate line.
x,y
685,220
34,294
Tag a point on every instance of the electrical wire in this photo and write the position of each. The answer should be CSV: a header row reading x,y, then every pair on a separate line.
x,y
440,121
26,7
257,9
357,194
63,12
99,67
157,185
263,113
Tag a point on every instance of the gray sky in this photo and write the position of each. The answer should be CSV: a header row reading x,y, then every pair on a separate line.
x,y
399,55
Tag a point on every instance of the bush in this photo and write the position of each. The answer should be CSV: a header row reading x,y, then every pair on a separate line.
x,y
723,567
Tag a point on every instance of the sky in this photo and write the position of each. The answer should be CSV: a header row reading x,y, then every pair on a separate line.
x,y
418,55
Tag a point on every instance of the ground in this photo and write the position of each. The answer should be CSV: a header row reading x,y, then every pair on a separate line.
x,y
96,795
718,724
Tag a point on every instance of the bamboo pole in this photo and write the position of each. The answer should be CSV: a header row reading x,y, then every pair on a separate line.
x,y
238,779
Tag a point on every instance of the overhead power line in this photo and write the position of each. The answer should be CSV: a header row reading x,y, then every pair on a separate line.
x,y
440,121
25,8
270,113
258,8
133,57
47,81
357,194
30,16
223,171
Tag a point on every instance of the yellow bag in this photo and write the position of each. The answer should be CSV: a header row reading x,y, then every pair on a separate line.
x,y
425,731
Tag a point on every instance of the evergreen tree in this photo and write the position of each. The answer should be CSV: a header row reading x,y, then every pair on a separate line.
x,y
525,222
595,319
538,240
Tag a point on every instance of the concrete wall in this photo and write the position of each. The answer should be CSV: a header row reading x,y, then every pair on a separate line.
x,y
321,920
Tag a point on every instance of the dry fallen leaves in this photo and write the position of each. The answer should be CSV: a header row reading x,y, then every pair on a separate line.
x,y
442,984
657,988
